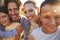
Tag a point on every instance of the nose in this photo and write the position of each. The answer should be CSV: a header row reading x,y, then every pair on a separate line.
x,y
29,13
13,12
53,21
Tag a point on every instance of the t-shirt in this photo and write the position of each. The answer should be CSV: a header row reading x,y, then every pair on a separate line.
x,y
8,33
2,27
14,25
38,34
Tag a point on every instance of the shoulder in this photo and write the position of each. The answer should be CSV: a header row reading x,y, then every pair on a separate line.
x,y
14,25
35,31
25,22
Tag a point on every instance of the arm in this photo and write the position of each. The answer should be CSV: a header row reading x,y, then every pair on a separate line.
x,y
19,31
7,34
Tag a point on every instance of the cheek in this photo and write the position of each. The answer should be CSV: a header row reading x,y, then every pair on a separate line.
x,y
6,19
17,11
58,21
45,21
26,14
10,14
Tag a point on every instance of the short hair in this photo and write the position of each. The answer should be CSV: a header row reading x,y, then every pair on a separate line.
x,y
18,2
3,9
34,4
50,2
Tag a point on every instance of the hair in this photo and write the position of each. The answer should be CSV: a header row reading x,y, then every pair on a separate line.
x,y
50,2
3,9
18,2
32,2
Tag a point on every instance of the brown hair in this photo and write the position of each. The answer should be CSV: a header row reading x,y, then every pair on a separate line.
x,y
18,2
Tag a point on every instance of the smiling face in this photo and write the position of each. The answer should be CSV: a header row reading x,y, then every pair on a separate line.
x,y
30,12
13,11
49,17
4,19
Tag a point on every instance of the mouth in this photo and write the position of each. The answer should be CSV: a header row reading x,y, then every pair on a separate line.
x,y
52,26
14,16
31,17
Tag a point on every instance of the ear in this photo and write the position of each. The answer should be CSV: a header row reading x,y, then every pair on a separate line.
x,y
40,17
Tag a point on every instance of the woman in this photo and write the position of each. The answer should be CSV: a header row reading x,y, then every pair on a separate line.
x,y
9,25
30,11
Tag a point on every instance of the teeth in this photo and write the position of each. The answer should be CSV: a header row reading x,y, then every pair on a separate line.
x,y
30,18
14,16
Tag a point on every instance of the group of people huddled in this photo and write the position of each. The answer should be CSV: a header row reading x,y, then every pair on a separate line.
x,y
43,25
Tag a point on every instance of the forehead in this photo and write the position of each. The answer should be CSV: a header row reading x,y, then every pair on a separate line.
x,y
1,14
56,9
12,5
50,10
29,6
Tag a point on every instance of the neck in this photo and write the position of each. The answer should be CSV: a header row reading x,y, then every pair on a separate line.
x,y
8,23
49,31
38,22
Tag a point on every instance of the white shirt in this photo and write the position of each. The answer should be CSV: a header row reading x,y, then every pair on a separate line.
x,y
38,34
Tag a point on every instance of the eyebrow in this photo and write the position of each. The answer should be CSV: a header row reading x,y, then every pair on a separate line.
x,y
58,16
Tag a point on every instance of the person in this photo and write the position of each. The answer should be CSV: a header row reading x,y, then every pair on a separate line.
x,y
5,33
49,13
9,24
13,7
30,11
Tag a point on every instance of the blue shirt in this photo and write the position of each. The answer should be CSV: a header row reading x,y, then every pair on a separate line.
x,y
2,27
6,33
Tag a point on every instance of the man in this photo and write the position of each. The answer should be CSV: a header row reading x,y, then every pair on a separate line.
x,y
13,7
49,13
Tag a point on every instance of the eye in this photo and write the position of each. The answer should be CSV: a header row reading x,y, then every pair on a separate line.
x,y
46,17
30,10
15,8
9,9
58,17
4,16
25,12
